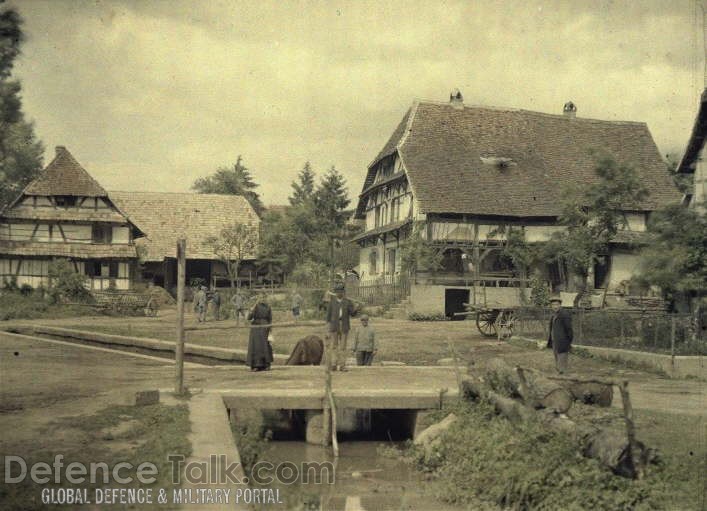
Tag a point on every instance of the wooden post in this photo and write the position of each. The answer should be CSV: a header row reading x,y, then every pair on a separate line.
x,y
326,412
672,341
630,428
623,333
179,347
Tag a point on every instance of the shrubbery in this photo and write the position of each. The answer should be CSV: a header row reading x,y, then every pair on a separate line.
x,y
434,316
484,457
66,282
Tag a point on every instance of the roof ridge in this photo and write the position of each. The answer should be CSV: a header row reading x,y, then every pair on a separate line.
x,y
533,112
179,193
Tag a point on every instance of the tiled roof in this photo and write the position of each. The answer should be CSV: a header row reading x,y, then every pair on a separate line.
x,y
166,217
65,176
73,250
442,149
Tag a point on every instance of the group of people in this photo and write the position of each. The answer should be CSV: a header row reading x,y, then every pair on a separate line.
x,y
340,311
202,299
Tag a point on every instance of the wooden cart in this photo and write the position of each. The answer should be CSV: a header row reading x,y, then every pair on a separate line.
x,y
494,306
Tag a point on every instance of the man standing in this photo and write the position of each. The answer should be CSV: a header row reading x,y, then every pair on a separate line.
x,y
239,305
365,345
560,338
200,302
296,305
216,301
338,317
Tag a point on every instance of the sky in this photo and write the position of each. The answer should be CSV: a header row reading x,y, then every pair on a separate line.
x,y
151,95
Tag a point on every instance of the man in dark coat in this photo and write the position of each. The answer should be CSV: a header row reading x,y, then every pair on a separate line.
x,y
560,337
338,318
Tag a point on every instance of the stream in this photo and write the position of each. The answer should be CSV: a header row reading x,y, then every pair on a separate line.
x,y
364,480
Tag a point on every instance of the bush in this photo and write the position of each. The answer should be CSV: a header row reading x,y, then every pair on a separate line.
x,y
67,283
433,316
26,289
484,457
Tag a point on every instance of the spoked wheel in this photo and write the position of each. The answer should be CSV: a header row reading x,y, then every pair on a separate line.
x,y
505,323
486,322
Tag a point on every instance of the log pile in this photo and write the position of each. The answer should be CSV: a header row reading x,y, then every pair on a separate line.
x,y
520,397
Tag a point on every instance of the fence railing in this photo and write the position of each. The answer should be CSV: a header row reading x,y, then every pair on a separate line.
x,y
654,331
382,290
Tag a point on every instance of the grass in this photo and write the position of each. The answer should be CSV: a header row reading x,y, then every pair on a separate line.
x,y
116,434
483,457
15,305
422,343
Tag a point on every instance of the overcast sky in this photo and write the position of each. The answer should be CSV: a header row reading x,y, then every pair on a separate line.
x,y
152,95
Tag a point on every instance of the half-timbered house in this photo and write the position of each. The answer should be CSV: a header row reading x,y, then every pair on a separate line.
x,y
467,173
65,213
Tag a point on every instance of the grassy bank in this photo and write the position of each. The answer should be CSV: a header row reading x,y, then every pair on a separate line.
x,y
15,305
483,457
116,434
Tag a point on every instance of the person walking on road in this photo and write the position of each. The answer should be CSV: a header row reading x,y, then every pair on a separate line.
x,y
560,337
365,345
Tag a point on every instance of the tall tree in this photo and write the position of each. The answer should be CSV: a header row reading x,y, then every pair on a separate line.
x,y
330,202
675,260
20,151
303,188
235,180
592,215
331,199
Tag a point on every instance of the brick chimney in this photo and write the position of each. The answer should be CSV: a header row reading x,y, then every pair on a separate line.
x,y
456,99
570,110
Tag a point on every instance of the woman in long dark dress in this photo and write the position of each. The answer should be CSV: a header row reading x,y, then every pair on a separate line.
x,y
259,355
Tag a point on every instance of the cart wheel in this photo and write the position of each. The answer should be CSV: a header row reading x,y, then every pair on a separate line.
x,y
486,323
506,323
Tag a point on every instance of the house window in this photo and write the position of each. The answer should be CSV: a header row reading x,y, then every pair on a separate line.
x,y
101,233
65,201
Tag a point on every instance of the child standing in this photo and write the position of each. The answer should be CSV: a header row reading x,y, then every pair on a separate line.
x,y
365,345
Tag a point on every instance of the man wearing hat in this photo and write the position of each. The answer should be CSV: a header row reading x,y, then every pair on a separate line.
x,y
560,337
338,318
365,345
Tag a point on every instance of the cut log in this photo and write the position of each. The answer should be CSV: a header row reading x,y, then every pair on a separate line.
x,y
592,393
540,392
611,448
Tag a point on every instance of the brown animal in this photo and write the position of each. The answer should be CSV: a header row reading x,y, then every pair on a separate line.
x,y
307,351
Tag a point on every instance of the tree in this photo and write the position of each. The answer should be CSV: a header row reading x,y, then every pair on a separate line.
x,y
20,151
303,188
232,246
232,181
592,216
330,202
418,254
66,282
675,259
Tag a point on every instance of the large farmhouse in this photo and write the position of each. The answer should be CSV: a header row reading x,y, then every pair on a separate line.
x,y
464,173
116,239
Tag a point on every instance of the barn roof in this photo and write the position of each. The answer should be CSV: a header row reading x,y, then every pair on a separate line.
x,y
166,217
65,176
449,154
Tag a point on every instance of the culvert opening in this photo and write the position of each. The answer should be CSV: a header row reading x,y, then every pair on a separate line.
x,y
353,424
